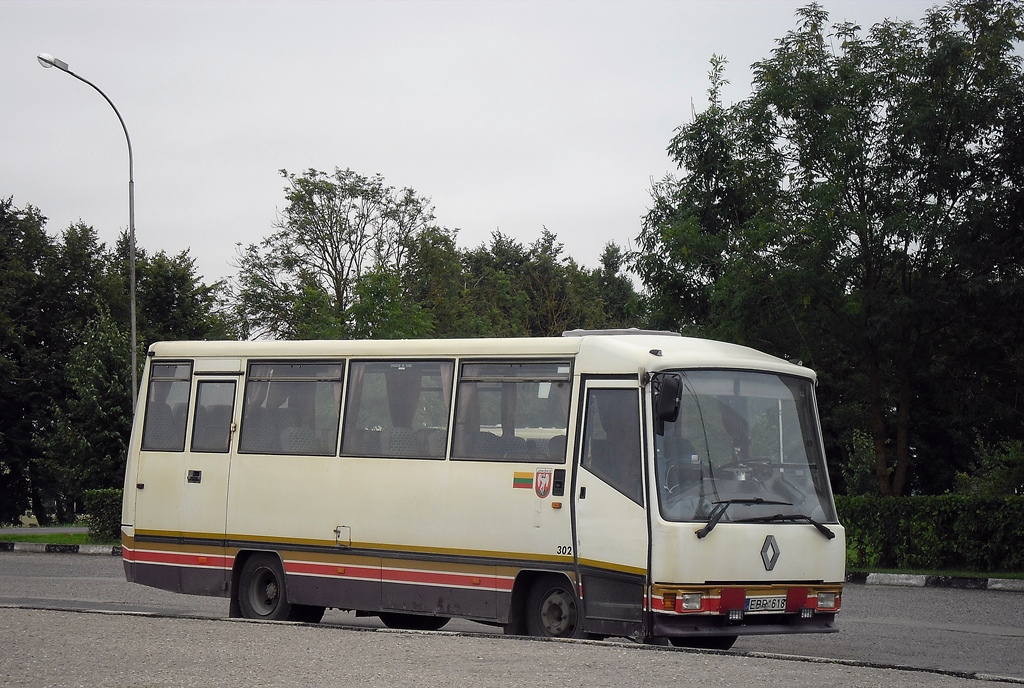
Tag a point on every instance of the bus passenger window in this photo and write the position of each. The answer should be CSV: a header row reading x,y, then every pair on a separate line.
x,y
166,407
611,440
291,408
398,409
516,412
211,429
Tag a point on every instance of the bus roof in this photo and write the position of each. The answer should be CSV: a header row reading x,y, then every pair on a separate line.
x,y
599,352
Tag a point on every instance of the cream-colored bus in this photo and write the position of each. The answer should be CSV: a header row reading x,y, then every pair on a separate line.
x,y
610,483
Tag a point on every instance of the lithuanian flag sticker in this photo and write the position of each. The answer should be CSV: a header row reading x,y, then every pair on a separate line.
x,y
522,480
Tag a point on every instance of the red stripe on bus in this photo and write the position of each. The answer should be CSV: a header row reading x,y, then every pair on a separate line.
x,y
467,580
331,570
439,578
178,559
335,570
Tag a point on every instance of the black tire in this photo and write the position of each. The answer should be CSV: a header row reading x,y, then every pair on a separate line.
x,y
261,589
553,610
413,622
710,642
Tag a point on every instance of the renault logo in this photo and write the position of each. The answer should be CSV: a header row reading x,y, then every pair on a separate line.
x,y
770,553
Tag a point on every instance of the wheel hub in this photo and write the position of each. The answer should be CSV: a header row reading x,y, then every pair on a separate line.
x,y
558,614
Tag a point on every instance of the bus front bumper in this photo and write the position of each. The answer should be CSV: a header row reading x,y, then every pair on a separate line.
x,y
682,611
671,626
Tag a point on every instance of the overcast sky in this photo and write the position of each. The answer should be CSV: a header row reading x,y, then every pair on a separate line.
x,y
510,116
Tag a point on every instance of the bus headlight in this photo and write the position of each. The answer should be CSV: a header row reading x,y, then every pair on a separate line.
x,y
692,601
827,600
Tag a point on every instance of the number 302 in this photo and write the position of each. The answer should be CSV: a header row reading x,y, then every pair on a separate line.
x,y
564,550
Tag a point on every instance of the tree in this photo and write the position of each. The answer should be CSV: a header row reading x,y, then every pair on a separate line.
x,y
861,210
334,229
49,293
563,296
697,223
69,300
174,303
382,309
516,291
496,298
433,278
352,257
86,444
621,305
999,471
24,246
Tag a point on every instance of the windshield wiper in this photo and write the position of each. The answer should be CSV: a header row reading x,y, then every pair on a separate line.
x,y
802,518
719,511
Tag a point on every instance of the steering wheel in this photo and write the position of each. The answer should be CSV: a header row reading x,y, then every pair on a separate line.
x,y
758,469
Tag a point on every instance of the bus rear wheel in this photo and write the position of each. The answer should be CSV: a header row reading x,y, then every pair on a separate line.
x,y
553,610
261,593
711,642
413,622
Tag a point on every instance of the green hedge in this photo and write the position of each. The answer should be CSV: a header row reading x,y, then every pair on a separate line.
x,y
104,514
951,532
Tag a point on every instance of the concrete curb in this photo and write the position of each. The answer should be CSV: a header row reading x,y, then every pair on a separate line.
x,y
921,581
41,548
1008,584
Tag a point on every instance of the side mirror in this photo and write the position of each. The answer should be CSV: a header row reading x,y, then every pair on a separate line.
x,y
667,389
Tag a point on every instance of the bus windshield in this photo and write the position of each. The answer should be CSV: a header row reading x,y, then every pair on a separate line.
x,y
744,440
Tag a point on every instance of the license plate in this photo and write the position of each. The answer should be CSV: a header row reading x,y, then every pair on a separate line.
x,y
766,604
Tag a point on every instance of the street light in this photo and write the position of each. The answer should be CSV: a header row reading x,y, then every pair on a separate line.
x,y
48,61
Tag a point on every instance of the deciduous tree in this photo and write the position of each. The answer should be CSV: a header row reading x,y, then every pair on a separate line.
x,y
334,228
861,210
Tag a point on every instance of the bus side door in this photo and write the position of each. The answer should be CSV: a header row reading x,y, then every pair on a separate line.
x,y
205,485
612,540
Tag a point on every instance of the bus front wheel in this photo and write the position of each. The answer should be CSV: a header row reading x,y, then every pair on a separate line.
x,y
553,610
261,593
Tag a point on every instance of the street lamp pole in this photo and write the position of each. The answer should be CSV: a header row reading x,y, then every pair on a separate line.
x,y
51,61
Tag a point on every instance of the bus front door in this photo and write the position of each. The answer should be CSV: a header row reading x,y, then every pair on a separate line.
x,y
610,519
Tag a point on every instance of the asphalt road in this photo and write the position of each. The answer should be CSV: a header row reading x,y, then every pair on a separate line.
x,y
952,632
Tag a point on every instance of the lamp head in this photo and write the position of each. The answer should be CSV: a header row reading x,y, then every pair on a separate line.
x,y
47,61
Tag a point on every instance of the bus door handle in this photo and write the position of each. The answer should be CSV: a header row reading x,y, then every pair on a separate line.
x,y
583,492
195,476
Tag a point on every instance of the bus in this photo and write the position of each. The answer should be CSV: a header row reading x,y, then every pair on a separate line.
x,y
603,483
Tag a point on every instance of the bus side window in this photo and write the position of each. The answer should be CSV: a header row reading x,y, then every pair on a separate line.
x,y
291,408
515,412
398,409
611,440
211,429
166,407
